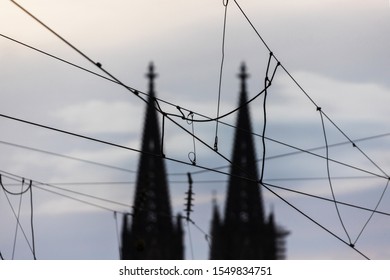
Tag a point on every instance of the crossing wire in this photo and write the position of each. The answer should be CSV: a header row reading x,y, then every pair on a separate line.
x,y
306,93
17,222
329,176
38,184
207,119
100,66
6,192
221,72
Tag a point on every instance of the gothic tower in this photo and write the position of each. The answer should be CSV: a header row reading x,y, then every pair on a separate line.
x,y
151,233
244,233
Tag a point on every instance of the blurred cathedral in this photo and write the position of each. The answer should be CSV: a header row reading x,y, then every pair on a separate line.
x,y
149,232
152,235
244,233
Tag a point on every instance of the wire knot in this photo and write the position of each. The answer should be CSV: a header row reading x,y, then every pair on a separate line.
x,y
183,117
192,157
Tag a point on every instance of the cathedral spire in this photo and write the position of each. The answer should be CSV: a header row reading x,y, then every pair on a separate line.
x,y
152,234
243,75
151,75
243,233
244,201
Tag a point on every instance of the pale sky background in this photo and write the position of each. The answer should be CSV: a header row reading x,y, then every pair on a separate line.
x,y
338,51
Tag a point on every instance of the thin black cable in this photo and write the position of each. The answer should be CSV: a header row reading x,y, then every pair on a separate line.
x,y
208,181
76,199
158,108
307,151
266,81
224,181
13,211
207,119
113,210
206,235
307,95
327,199
253,27
204,144
269,49
14,193
67,157
329,176
71,133
106,183
374,211
1,256
94,183
157,155
56,58
193,160
32,220
163,136
137,92
224,166
313,221
117,145
17,221
357,147
52,31
18,215
83,194
106,208
263,138
42,186
283,199
97,64
299,150
178,107
60,37
321,178
220,73
156,99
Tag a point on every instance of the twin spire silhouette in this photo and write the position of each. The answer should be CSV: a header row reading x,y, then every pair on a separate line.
x,y
150,233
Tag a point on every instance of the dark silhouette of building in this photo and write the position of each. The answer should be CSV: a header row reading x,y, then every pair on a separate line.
x,y
244,233
149,232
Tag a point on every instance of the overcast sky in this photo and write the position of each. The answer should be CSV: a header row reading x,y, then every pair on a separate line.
x,y
338,52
